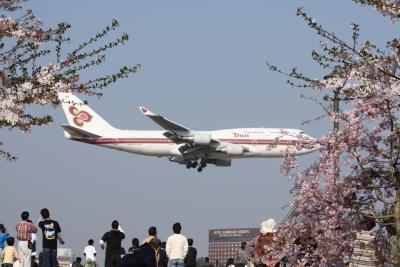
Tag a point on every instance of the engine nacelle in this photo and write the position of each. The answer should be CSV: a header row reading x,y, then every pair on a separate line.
x,y
220,162
233,150
200,139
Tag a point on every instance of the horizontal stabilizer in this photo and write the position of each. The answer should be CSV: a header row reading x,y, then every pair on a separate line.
x,y
78,133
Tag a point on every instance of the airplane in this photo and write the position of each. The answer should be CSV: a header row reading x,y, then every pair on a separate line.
x,y
195,149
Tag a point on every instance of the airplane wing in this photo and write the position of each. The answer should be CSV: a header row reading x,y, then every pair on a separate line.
x,y
196,144
165,123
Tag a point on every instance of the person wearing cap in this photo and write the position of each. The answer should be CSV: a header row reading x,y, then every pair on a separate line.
x,y
259,249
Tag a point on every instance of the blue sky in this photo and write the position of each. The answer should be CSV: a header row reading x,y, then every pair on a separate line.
x,y
203,65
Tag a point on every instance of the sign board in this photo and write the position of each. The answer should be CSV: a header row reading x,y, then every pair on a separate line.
x,y
232,235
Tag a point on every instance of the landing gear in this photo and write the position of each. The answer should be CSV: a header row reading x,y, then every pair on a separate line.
x,y
192,164
195,164
203,163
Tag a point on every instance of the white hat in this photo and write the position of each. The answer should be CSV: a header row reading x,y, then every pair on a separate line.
x,y
268,226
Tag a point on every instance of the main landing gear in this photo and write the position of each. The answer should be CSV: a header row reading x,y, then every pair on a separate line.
x,y
191,164
195,164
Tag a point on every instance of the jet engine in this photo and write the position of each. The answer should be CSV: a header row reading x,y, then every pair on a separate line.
x,y
200,139
233,150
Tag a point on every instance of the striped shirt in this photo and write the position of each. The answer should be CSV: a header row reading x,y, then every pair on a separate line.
x,y
25,230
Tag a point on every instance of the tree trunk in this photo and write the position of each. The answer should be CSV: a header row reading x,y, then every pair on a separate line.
x,y
397,224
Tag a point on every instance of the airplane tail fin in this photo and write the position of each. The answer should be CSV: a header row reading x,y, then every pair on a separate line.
x,y
81,118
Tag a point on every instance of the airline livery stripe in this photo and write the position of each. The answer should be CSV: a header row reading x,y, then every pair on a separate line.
x,y
167,141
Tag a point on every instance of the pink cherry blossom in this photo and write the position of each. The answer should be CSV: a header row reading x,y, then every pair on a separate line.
x,y
24,83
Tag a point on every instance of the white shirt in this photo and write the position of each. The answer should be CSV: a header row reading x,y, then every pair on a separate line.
x,y
177,247
89,252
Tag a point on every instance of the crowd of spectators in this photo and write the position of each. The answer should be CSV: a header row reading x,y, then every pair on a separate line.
x,y
176,251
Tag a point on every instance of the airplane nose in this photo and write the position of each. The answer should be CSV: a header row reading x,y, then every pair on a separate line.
x,y
316,146
308,137
311,138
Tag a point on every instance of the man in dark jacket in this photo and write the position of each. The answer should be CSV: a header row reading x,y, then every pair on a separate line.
x,y
143,256
111,242
161,254
190,259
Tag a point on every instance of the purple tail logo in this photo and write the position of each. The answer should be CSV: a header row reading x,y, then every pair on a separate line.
x,y
80,117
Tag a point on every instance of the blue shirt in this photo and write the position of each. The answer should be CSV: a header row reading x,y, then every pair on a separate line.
x,y
3,237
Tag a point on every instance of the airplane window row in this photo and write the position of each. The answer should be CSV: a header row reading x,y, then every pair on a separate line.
x,y
264,132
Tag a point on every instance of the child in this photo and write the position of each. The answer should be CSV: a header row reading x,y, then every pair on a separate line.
x,y
3,238
77,262
90,252
9,254
90,263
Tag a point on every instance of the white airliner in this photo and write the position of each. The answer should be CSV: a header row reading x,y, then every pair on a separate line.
x,y
195,149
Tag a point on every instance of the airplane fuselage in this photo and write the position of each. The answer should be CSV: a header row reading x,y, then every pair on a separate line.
x,y
258,142
195,149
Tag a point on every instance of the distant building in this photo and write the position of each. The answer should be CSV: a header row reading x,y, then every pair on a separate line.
x,y
224,243
64,257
